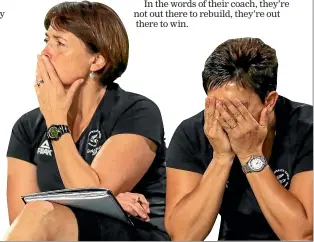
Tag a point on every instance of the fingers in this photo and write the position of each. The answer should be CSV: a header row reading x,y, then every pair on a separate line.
x,y
216,117
264,117
143,201
224,124
74,87
38,76
227,120
139,210
135,210
51,71
209,111
42,72
38,80
135,204
242,109
128,208
233,110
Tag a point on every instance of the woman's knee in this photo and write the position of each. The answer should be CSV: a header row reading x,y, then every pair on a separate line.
x,y
56,221
37,210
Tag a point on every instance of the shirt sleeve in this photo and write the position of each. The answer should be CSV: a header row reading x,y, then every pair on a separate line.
x,y
181,153
305,155
141,118
20,144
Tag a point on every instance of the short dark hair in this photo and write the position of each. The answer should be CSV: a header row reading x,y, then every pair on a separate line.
x,y
100,28
248,62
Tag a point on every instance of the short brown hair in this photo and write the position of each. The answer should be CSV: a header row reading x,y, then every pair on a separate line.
x,y
247,61
100,28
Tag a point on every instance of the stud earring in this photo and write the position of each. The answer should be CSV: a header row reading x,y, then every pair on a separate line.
x,y
92,75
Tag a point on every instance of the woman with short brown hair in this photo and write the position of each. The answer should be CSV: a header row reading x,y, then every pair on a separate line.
x,y
103,137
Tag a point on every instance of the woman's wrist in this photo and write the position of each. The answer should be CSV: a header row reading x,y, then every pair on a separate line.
x,y
56,121
226,158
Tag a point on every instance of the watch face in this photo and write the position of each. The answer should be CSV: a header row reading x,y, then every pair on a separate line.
x,y
53,132
256,164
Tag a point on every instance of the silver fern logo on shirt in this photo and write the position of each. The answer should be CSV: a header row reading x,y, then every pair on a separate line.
x,y
93,139
282,176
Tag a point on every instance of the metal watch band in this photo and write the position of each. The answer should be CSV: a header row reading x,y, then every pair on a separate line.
x,y
246,169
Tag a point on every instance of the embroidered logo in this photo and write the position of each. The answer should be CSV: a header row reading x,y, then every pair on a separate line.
x,y
282,176
44,149
93,138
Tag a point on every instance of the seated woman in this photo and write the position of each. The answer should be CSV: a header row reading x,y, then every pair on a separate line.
x,y
248,156
106,137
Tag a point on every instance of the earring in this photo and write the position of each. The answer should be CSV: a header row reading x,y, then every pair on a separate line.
x,y
92,75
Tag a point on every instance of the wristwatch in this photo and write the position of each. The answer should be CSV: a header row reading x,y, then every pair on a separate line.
x,y
54,132
254,164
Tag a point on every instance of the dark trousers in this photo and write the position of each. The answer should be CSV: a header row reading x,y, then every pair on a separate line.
x,y
95,227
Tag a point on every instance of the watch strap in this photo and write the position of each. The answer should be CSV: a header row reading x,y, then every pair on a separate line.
x,y
63,129
60,130
246,168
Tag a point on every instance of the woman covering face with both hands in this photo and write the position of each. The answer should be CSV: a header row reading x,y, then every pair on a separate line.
x,y
248,156
87,132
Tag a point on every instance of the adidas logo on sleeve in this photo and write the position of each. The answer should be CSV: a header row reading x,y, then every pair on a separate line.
x,y
44,149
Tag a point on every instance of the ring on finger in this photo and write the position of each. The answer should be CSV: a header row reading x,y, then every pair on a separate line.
x,y
136,200
40,82
231,121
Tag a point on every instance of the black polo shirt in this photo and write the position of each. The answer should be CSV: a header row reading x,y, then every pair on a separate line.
x,y
118,112
241,216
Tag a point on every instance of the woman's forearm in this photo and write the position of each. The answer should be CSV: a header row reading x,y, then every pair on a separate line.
x,y
283,211
75,172
194,216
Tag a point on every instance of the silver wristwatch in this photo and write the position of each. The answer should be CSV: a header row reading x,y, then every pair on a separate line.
x,y
254,164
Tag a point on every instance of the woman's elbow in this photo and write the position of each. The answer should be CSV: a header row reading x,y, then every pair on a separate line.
x,y
307,234
310,237
303,236
167,225
176,232
171,229
304,233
